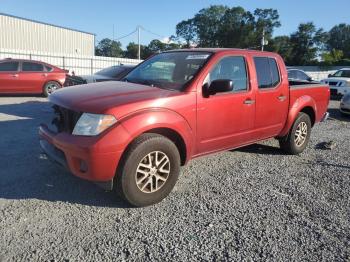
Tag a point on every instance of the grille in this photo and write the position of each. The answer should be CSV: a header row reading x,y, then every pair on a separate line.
x,y
331,83
65,119
334,92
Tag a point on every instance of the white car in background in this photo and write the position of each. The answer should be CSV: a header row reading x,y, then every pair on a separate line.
x,y
339,82
345,104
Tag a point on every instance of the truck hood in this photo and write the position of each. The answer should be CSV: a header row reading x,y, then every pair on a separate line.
x,y
99,97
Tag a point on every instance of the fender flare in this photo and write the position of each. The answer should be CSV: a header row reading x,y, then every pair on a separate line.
x,y
299,105
142,121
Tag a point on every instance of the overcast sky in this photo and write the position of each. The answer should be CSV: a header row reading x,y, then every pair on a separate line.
x,y
160,17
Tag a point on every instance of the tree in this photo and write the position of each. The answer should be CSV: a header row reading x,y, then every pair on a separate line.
x,y
108,47
266,20
237,28
339,39
221,26
207,23
283,46
187,30
333,57
306,43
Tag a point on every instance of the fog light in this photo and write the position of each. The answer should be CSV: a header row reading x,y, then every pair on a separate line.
x,y
83,166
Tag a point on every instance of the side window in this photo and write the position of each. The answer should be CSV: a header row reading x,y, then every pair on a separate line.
x,y
9,66
302,76
292,74
275,75
233,68
32,67
48,69
267,72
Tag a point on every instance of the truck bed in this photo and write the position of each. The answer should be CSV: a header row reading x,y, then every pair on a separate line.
x,y
318,92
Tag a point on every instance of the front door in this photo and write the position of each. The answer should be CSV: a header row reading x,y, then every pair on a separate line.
x,y
225,120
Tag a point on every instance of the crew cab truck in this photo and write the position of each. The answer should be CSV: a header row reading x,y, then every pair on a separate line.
x,y
133,135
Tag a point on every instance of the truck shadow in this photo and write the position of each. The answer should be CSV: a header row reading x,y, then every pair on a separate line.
x,y
260,149
25,173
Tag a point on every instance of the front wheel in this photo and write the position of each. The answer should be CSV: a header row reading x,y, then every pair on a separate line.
x,y
149,170
298,137
50,87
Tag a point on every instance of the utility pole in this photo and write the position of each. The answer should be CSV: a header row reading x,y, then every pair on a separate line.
x,y
263,40
138,40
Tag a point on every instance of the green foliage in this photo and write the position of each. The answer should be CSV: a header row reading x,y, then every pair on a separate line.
x,y
306,43
108,47
332,57
339,39
283,46
235,27
221,26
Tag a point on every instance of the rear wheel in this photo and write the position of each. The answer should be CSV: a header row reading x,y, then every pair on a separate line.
x,y
298,137
50,87
149,170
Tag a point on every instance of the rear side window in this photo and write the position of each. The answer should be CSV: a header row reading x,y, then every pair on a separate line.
x,y
267,72
48,69
32,67
9,66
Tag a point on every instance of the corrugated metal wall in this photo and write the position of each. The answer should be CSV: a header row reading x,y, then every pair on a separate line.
x,y
22,34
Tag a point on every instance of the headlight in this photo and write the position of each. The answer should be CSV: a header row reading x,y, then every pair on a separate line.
x,y
93,124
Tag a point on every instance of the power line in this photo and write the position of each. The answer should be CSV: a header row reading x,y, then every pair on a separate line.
x,y
124,36
152,33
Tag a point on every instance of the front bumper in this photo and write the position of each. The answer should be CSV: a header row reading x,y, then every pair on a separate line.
x,y
89,158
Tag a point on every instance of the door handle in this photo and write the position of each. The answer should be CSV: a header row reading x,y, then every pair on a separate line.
x,y
249,101
15,75
282,98
44,75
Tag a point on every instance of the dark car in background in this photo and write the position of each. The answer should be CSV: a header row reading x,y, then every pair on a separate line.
x,y
19,76
113,73
298,75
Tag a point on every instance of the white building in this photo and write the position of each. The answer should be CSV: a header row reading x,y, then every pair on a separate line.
x,y
27,35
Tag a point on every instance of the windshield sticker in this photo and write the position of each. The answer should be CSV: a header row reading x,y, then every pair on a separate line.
x,y
195,57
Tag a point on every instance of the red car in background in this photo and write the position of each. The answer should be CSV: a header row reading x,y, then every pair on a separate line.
x,y
18,76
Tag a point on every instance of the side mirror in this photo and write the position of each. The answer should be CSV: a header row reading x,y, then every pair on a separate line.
x,y
218,86
330,75
310,79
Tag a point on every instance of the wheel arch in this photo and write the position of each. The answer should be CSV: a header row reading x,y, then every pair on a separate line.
x,y
304,104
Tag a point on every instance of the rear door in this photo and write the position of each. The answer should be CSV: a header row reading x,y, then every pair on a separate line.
x,y
9,76
32,77
225,120
272,97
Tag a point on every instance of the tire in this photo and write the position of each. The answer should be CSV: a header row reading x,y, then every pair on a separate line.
x,y
50,87
136,166
292,144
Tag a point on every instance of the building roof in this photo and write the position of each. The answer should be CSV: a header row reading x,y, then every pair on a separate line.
x,y
34,21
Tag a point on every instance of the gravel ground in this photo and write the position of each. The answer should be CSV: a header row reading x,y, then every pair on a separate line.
x,y
251,204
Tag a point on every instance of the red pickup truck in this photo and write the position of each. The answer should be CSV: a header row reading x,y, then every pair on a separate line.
x,y
134,135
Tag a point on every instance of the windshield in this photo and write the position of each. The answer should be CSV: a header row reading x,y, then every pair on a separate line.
x,y
112,71
342,73
171,70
